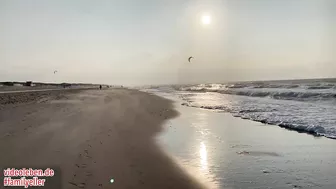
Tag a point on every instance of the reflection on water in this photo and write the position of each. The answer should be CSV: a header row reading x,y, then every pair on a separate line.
x,y
201,125
223,152
203,157
190,146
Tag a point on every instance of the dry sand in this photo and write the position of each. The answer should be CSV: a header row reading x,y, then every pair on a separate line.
x,y
33,96
89,137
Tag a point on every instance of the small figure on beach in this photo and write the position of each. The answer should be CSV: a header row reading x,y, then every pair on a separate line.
x,y
100,87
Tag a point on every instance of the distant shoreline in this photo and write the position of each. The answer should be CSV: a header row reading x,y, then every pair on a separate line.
x,y
15,86
32,83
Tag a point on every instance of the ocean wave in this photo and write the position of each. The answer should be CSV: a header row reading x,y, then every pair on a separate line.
x,y
315,130
302,105
249,114
274,86
257,85
321,87
238,86
219,107
281,94
288,95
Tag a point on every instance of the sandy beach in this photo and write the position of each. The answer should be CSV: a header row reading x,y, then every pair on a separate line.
x,y
141,140
90,137
168,94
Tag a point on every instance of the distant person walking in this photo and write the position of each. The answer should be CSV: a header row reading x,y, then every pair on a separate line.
x,y
100,87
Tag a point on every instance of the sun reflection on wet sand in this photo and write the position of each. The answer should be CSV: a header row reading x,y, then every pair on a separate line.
x,y
205,178
203,157
198,141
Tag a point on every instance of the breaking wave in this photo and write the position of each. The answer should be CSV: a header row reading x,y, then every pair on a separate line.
x,y
307,106
285,92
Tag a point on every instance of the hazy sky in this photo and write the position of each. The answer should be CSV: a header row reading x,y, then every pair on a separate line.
x,y
149,41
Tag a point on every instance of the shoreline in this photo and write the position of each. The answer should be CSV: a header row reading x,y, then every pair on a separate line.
x,y
146,140
91,136
311,117
225,152
283,126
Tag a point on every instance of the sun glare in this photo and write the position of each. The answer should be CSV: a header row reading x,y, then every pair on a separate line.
x,y
206,19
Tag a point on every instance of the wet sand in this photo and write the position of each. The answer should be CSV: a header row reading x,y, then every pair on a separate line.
x,y
90,137
225,152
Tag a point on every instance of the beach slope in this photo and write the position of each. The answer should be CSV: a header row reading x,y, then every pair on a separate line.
x,y
90,137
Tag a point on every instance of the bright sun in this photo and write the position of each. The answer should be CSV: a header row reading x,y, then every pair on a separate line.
x,y
206,19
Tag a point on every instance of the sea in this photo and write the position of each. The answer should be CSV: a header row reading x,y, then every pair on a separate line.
x,y
306,106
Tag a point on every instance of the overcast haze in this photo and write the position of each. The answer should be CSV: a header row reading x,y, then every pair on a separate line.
x,y
149,41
